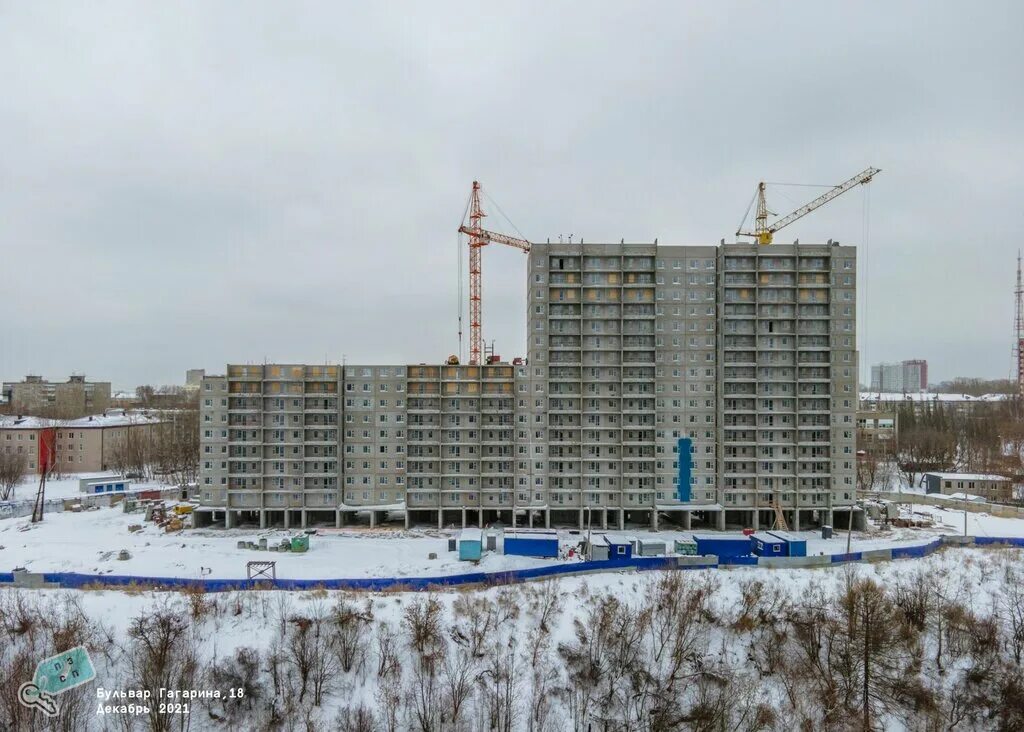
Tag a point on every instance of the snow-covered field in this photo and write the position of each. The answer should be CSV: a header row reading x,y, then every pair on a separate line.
x,y
724,648
89,542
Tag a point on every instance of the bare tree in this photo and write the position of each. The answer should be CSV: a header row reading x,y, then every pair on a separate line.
x,y
309,650
1011,604
163,655
13,469
350,641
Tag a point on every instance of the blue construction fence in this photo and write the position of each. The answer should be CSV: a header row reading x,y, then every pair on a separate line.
x,y
74,580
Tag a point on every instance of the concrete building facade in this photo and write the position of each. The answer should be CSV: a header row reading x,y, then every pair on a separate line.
x,y
74,398
661,382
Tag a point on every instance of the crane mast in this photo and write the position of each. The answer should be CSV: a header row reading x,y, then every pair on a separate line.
x,y
478,239
764,232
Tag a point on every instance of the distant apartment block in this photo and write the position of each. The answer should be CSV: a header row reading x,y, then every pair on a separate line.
x,y
73,398
896,378
88,444
674,383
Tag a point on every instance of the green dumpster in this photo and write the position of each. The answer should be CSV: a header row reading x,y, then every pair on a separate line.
x,y
300,543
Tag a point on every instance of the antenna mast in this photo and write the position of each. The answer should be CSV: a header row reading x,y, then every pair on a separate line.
x,y
1019,328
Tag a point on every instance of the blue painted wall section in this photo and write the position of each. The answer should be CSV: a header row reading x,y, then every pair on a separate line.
x,y
685,468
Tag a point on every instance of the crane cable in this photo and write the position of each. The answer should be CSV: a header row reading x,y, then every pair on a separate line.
x,y
458,257
495,204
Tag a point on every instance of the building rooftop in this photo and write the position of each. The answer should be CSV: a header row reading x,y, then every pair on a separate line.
x,y
25,423
968,476
115,418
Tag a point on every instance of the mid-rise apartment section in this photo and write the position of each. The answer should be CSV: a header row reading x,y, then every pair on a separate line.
x,y
687,383
788,374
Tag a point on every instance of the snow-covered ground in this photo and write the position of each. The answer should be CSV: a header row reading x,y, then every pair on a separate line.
x,y
89,543
524,633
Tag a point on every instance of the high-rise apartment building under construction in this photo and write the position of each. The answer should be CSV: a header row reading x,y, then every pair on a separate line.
x,y
711,384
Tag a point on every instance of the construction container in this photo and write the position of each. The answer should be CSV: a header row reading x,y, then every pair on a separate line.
x,y
722,545
532,544
491,541
686,547
795,546
652,548
471,545
826,532
183,508
300,543
619,547
764,544
453,544
599,549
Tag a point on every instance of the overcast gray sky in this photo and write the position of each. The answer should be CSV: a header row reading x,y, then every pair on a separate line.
x,y
187,184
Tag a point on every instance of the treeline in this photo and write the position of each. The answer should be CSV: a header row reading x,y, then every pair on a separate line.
x,y
677,651
168,450
975,387
939,436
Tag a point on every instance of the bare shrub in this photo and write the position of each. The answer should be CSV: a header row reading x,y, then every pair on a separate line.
x,y
13,469
162,654
350,624
355,719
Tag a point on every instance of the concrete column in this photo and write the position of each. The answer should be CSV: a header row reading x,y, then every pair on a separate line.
x,y
830,518
407,518
440,518
796,519
229,519
756,522
529,517
687,516
373,519
721,520
303,517
480,517
547,518
287,518
582,526
654,519
622,519
337,518
463,518
604,518
263,519
513,518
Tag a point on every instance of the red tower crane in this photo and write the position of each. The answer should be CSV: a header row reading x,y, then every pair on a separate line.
x,y
478,239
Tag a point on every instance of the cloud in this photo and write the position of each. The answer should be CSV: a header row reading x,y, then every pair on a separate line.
x,y
191,184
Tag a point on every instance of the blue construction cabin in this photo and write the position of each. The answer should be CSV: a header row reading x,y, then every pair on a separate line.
x,y
764,544
531,543
619,547
795,546
722,545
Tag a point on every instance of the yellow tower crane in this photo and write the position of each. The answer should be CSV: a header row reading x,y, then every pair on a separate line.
x,y
764,232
